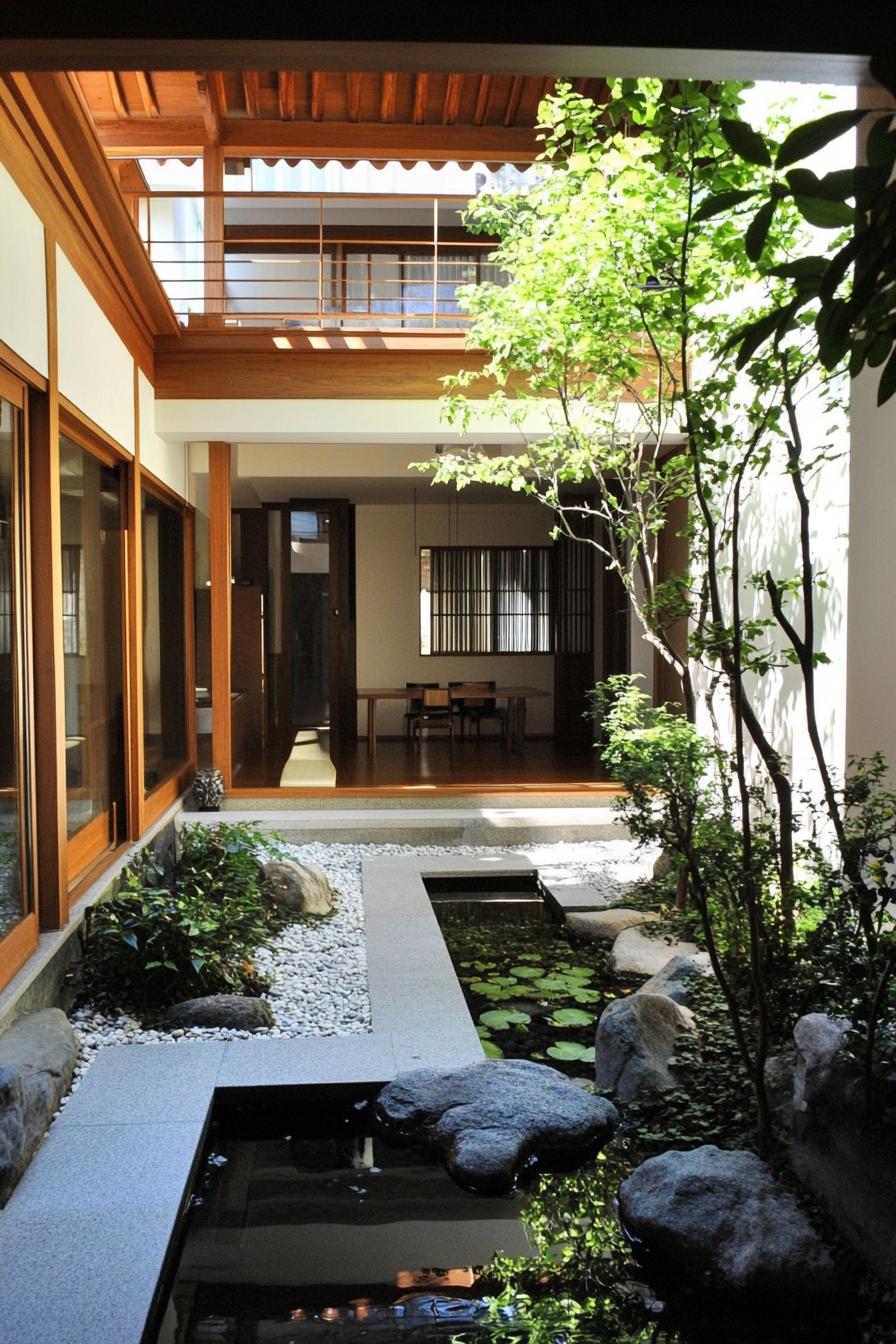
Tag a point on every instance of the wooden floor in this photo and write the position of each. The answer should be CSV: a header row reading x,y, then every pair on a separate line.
x,y
435,766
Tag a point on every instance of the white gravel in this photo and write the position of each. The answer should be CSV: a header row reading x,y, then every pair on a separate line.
x,y
318,971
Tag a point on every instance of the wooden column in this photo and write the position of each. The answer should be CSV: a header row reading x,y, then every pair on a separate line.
x,y
134,762
213,232
220,573
49,668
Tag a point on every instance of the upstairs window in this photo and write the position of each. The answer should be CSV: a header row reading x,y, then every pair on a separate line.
x,y
485,599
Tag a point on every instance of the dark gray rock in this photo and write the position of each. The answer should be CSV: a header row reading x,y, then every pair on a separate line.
x,y
37,1061
678,976
719,1221
488,1118
300,887
819,1044
237,1011
636,1038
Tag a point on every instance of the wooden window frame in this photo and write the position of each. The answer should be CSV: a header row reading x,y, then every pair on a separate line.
x,y
495,615
155,801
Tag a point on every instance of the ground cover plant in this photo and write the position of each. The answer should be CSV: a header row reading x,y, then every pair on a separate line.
x,y
184,928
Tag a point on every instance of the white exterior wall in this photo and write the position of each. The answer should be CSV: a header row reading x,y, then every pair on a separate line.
x,y
388,603
96,370
167,461
23,277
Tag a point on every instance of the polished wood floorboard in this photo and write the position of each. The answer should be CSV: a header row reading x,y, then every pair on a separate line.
x,y
434,765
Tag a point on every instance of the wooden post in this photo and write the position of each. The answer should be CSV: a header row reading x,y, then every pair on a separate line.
x,y
133,590
220,572
213,228
49,669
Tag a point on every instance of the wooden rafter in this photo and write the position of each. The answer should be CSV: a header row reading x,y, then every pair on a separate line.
x,y
353,88
451,104
387,99
323,139
147,93
286,94
211,109
421,89
250,92
318,94
116,93
482,97
513,102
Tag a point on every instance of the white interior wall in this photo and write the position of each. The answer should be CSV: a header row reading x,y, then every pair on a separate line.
x,y
167,461
96,370
23,277
388,603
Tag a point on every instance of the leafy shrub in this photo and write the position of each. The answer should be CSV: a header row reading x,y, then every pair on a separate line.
x,y
185,931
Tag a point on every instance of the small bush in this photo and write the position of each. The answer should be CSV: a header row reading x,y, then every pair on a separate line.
x,y
189,930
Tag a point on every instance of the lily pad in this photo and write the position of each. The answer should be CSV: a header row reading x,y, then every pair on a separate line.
x,y
553,983
587,995
569,1050
492,1051
570,1017
501,1018
527,972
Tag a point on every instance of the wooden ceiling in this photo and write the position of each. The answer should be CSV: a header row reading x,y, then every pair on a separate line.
x,y
430,117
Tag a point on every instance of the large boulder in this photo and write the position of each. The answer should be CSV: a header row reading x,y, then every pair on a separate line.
x,y
636,954
299,887
679,975
819,1044
636,1038
488,1118
605,926
237,1012
720,1222
37,1062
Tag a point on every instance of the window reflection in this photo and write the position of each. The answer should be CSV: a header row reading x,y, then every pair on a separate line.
x,y
164,708
13,890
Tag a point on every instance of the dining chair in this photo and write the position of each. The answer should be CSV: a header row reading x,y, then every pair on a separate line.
x,y
477,704
415,702
435,711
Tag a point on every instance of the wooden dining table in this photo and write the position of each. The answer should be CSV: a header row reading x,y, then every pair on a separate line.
x,y
516,697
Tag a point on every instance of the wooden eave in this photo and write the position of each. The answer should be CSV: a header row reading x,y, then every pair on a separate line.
x,y
50,149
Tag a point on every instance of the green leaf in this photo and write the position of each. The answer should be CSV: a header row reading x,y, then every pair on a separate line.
x,y
757,233
823,214
814,135
746,143
750,338
880,147
887,385
571,1017
569,1050
492,1051
725,200
502,1018
527,972
131,941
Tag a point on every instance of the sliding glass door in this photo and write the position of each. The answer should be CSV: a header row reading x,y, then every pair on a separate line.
x,y
18,924
92,560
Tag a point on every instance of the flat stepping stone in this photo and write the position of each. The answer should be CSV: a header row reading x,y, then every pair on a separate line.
x,y
489,1118
568,897
636,954
606,925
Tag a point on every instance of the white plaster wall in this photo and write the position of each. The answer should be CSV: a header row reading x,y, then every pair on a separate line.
x,y
871,646
167,461
23,277
96,370
388,603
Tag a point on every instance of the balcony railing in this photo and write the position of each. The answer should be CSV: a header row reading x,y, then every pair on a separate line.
x,y
293,259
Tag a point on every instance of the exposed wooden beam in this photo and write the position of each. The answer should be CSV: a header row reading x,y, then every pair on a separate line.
x,y
116,93
421,89
452,99
318,93
147,93
353,86
328,139
387,98
286,94
211,109
250,92
482,97
513,102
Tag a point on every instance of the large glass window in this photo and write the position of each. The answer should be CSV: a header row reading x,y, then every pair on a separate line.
x,y
164,689
92,643
14,887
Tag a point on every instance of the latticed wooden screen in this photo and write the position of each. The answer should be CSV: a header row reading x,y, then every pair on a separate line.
x,y
488,599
